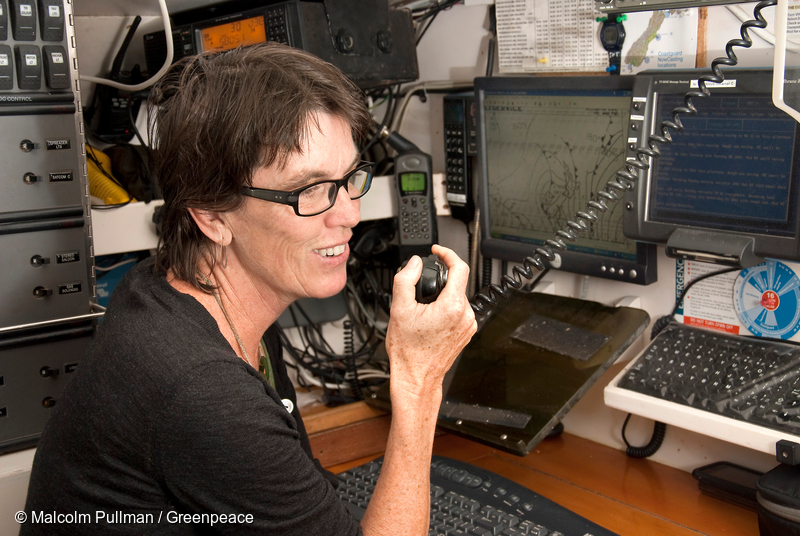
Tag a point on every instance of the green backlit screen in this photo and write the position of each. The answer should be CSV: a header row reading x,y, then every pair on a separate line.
x,y
412,183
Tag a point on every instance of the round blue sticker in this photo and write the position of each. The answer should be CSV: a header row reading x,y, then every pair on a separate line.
x,y
767,300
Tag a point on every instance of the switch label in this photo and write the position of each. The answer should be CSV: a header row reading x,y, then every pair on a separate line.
x,y
25,10
57,145
67,256
31,60
54,11
60,176
69,288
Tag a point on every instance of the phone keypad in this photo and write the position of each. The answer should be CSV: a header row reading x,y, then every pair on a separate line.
x,y
277,27
415,223
456,164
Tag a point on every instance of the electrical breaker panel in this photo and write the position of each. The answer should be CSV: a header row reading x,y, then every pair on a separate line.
x,y
46,261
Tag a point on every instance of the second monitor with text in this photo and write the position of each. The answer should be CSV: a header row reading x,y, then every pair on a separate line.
x,y
725,189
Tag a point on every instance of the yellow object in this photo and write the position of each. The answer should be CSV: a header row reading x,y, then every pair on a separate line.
x,y
101,186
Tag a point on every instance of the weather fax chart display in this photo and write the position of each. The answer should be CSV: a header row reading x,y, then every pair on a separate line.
x,y
546,156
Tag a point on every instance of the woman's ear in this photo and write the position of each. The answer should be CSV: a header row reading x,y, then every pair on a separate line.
x,y
212,224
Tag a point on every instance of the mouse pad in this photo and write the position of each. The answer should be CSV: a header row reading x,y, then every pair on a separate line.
x,y
532,359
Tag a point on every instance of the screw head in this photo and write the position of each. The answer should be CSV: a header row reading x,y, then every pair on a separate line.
x,y
385,41
344,40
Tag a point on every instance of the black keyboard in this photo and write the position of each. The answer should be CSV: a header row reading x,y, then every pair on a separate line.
x,y
468,500
747,379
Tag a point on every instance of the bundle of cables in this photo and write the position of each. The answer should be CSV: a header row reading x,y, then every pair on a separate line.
x,y
343,377
362,366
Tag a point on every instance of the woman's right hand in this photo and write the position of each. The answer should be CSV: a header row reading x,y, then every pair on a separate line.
x,y
423,340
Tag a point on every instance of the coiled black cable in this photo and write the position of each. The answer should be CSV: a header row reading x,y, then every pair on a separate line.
x,y
659,431
625,178
486,274
350,361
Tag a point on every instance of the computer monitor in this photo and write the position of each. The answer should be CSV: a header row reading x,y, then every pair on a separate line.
x,y
546,145
726,189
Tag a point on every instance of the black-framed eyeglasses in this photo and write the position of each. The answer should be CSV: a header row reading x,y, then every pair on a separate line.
x,y
318,197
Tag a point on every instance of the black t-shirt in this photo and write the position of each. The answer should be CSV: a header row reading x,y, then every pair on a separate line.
x,y
163,427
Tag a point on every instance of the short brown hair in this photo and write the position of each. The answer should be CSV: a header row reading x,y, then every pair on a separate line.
x,y
217,117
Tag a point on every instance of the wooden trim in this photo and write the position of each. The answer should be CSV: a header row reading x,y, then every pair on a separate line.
x,y
353,441
702,41
328,418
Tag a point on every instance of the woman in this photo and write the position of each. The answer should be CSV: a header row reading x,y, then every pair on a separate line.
x,y
181,418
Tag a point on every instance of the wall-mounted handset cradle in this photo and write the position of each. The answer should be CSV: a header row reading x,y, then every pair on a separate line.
x,y
416,212
458,111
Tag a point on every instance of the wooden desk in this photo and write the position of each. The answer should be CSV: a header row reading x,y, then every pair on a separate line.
x,y
629,496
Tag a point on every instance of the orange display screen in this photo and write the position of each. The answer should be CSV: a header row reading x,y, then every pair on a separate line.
x,y
233,34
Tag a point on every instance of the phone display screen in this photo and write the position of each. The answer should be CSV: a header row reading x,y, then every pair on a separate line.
x,y
233,34
453,112
413,183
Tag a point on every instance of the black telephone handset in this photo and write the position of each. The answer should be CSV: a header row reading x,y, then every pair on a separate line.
x,y
459,148
432,280
416,212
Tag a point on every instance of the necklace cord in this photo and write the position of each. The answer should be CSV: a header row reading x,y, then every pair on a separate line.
x,y
263,366
207,281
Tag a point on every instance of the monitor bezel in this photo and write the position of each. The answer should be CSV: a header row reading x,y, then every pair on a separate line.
x,y
641,270
649,86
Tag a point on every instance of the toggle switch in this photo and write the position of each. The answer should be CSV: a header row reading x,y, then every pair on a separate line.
x,y
51,20
38,260
23,20
47,372
56,67
41,292
28,66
